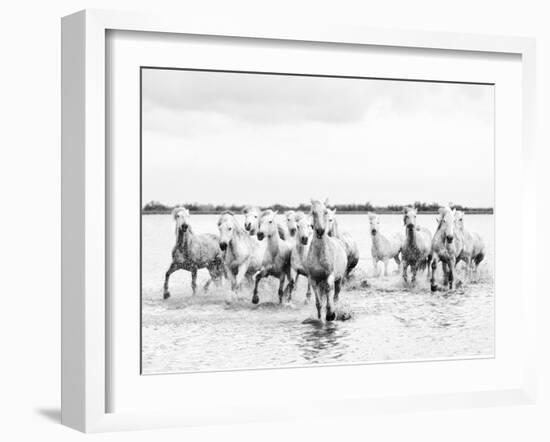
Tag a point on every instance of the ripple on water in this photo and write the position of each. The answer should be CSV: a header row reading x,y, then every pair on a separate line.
x,y
387,321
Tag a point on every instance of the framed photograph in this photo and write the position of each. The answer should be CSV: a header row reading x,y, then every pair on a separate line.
x,y
264,223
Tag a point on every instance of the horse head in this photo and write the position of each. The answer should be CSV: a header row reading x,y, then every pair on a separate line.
x,y
304,227
409,218
227,227
447,223
290,217
267,225
181,217
320,215
374,222
251,219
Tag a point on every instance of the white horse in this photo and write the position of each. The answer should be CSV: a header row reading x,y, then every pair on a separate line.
x,y
326,262
193,252
243,253
300,251
291,222
383,247
416,248
276,259
352,250
447,246
473,249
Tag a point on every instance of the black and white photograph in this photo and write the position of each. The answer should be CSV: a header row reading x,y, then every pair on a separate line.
x,y
292,220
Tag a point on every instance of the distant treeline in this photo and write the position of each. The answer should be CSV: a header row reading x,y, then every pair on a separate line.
x,y
155,207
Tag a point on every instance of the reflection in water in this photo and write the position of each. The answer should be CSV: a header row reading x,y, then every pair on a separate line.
x,y
323,342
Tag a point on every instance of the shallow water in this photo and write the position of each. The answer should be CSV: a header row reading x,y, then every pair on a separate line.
x,y
216,331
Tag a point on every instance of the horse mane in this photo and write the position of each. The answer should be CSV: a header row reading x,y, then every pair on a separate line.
x,y
265,213
442,210
237,227
335,228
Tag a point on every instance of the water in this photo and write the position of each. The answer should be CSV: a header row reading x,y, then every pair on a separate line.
x,y
389,321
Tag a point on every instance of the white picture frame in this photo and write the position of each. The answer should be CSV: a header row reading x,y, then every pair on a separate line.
x,y
85,214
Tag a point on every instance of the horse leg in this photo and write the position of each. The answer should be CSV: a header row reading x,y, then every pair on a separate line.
x,y
173,267
281,285
452,265
261,274
445,267
207,285
194,281
385,266
398,262
241,273
232,279
308,292
414,270
405,265
292,276
329,292
433,265
337,288
318,302
375,266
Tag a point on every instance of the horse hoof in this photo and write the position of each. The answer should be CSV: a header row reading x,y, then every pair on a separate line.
x,y
331,316
166,295
255,299
433,287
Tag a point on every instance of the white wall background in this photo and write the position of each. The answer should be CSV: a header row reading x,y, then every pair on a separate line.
x,y
30,221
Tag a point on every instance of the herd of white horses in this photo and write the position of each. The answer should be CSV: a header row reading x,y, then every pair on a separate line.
x,y
311,245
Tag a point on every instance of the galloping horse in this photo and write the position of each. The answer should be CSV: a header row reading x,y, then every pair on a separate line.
x,y
300,251
416,249
352,250
447,246
276,259
384,248
473,249
326,262
243,253
193,252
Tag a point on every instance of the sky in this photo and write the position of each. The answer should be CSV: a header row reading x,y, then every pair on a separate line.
x,y
236,138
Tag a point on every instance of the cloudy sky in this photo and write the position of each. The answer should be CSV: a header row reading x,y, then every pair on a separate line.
x,y
215,137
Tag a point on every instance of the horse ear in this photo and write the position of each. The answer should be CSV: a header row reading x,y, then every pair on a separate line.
x,y
327,203
334,211
275,212
441,210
